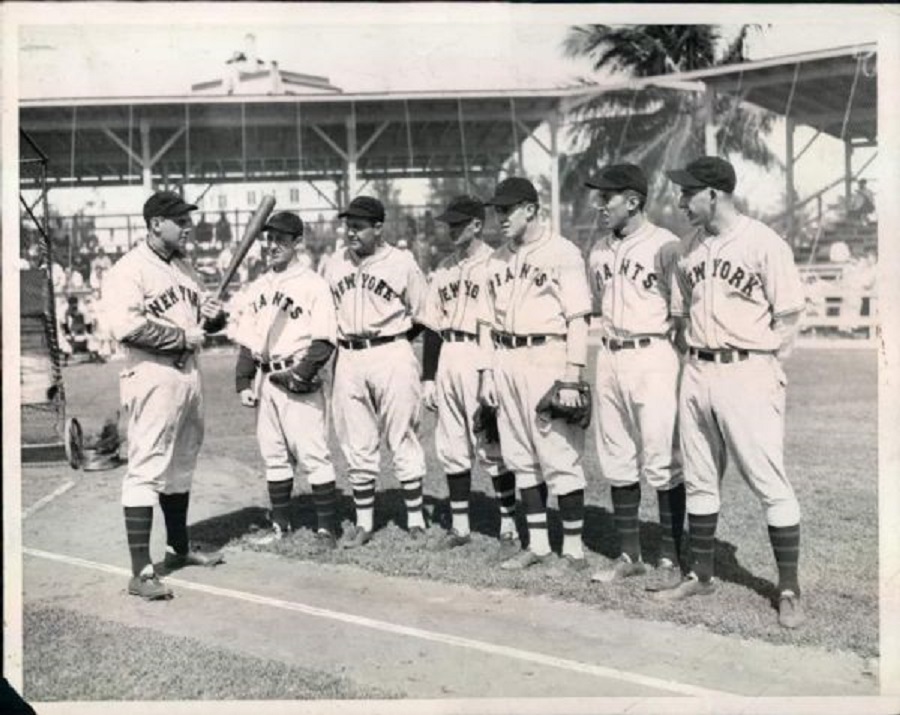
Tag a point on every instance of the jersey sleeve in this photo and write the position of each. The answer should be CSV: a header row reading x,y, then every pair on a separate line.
x,y
667,262
416,292
122,304
323,325
431,315
575,293
679,292
781,278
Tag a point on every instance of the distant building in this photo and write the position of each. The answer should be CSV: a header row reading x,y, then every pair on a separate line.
x,y
246,74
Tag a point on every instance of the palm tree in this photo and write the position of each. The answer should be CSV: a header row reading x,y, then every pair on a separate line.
x,y
655,127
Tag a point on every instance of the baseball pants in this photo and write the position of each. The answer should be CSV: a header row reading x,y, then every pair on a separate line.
x,y
736,407
164,409
377,392
456,383
292,429
535,450
635,421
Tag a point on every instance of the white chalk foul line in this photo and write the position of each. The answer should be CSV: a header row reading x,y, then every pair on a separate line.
x,y
420,633
43,501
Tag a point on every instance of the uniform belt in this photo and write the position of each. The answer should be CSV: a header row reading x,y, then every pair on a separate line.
x,y
352,343
723,356
458,336
275,365
615,344
508,340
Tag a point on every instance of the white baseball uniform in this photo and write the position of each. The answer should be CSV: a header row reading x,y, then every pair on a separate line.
x,y
164,404
533,292
733,287
376,381
456,291
282,313
636,377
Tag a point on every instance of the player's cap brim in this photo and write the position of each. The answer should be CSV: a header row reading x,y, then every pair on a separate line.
x,y
686,179
453,217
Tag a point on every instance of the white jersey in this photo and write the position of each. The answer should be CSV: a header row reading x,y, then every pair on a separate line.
x,y
631,277
732,286
142,286
283,312
381,295
456,289
536,288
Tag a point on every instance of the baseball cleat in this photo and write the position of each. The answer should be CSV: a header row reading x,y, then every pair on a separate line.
x,y
690,586
357,537
790,610
525,559
277,533
509,544
623,568
452,540
416,533
325,541
149,587
567,565
666,576
192,558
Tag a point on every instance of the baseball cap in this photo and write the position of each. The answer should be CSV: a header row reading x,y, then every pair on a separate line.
x,y
166,204
364,207
462,208
286,222
618,177
706,172
512,191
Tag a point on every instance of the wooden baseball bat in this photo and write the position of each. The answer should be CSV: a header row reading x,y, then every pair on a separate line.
x,y
251,231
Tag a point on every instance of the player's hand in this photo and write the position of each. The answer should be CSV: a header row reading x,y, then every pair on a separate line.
x,y
487,390
193,338
211,308
429,395
248,398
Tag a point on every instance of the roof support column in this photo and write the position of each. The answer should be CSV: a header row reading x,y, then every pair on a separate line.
x,y
352,156
848,172
554,173
709,128
790,195
146,163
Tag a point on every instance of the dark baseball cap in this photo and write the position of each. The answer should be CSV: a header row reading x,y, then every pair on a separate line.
x,y
512,191
619,177
366,207
706,172
462,208
286,222
166,204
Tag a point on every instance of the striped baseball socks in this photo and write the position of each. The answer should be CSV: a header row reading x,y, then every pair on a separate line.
x,y
626,503
364,501
412,495
536,516
460,487
324,497
786,545
671,522
175,509
138,523
571,513
702,538
280,497
505,488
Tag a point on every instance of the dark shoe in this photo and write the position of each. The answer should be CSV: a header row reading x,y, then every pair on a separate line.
x,y
790,610
525,559
357,537
666,576
623,568
452,540
567,565
149,587
325,542
690,586
276,533
509,545
175,561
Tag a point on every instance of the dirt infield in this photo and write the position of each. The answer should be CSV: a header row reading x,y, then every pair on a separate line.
x,y
450,630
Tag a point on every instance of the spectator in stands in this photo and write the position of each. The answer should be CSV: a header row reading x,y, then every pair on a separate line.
x,y
59,277
99,266
428,226
76,329
223,230
203,234
74,280
862,203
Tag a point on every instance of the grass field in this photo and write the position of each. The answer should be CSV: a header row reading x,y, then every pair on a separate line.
x,y
831,445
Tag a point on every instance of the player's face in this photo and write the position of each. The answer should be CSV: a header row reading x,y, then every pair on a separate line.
x,y
513,220
173,231
613,208
362,236
697,205
280,248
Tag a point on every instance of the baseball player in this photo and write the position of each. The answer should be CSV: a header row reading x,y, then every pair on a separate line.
x,y
636,378
379,296
287,334
538,306
456,290
155,309
743,296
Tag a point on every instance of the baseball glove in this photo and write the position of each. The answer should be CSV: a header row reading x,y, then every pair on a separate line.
x,y
484,422
550,407
291,382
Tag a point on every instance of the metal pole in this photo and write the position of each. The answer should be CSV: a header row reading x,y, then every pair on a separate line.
x,y
146,167
554,174
790,197
352,181
709,129
848,172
